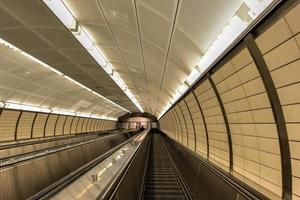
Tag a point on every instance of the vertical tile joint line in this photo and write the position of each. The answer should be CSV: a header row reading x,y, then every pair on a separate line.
x,y
54,132
277,113
204,122
180,126
45,125
63,129
17,124
195,137
32,125
186,130
225,121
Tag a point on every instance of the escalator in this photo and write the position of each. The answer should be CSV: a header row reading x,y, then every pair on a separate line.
x,y
162,180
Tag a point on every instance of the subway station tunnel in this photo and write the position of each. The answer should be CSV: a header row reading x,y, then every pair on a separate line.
x,y
149,99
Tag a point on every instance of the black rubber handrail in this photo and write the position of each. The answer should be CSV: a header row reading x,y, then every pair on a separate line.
x,y
58,150
111,190
185,187
67,180
145,171
19,143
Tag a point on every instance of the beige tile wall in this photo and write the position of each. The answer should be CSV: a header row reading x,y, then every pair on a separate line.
x,y
8,120
50,126
25,125
218,139
256,152
79,125
89,125
182,123
93,125
280,45
56,125
60,125
67,128
201,142
189,125
248,110
74,125
84,125
39,125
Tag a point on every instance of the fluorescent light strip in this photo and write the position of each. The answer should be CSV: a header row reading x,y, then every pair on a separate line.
x,y
228,35
14,48
65,16
18,106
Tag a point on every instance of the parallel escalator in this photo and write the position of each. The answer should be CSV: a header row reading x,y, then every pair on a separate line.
x,y
162,180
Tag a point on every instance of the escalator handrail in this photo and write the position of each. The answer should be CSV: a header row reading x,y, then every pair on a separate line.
x,y
76,144
67,180
111,190
185,187
240,187
23,142
145,169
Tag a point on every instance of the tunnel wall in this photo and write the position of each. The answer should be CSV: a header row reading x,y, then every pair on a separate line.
x,y
243,115
18,125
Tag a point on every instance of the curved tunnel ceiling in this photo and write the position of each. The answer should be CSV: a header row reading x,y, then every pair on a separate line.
x,y
152,45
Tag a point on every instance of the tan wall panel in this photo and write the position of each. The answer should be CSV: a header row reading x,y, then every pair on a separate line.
x,y
97,125
217,134
68,123
74,125
201,141
89,125
182,123
60,124
39,125
50,126
190,130
246,104
25,125
93,125
8,121
282,55
84,125
79,125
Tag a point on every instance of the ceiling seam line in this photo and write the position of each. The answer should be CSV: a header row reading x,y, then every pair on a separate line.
x,y
114,37
141,45
51,45
168,51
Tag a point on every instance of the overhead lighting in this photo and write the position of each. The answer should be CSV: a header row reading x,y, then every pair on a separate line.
x,y
62,12
194,75
183,88
31,108
66,17
83,115
256,6
41,63
234,28
231,31
17,106
63,112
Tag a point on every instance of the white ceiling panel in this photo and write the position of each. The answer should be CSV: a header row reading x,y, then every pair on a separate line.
x,y
164,8
185,50
120,14
154,28
203,20
152,44
153,53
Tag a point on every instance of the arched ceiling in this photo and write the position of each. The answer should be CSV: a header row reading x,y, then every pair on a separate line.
x,y
153,46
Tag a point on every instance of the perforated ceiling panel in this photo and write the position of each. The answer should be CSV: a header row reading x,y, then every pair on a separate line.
x,y
153,45
30,26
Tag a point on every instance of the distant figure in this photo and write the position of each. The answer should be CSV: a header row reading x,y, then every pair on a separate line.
x,y
142,128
